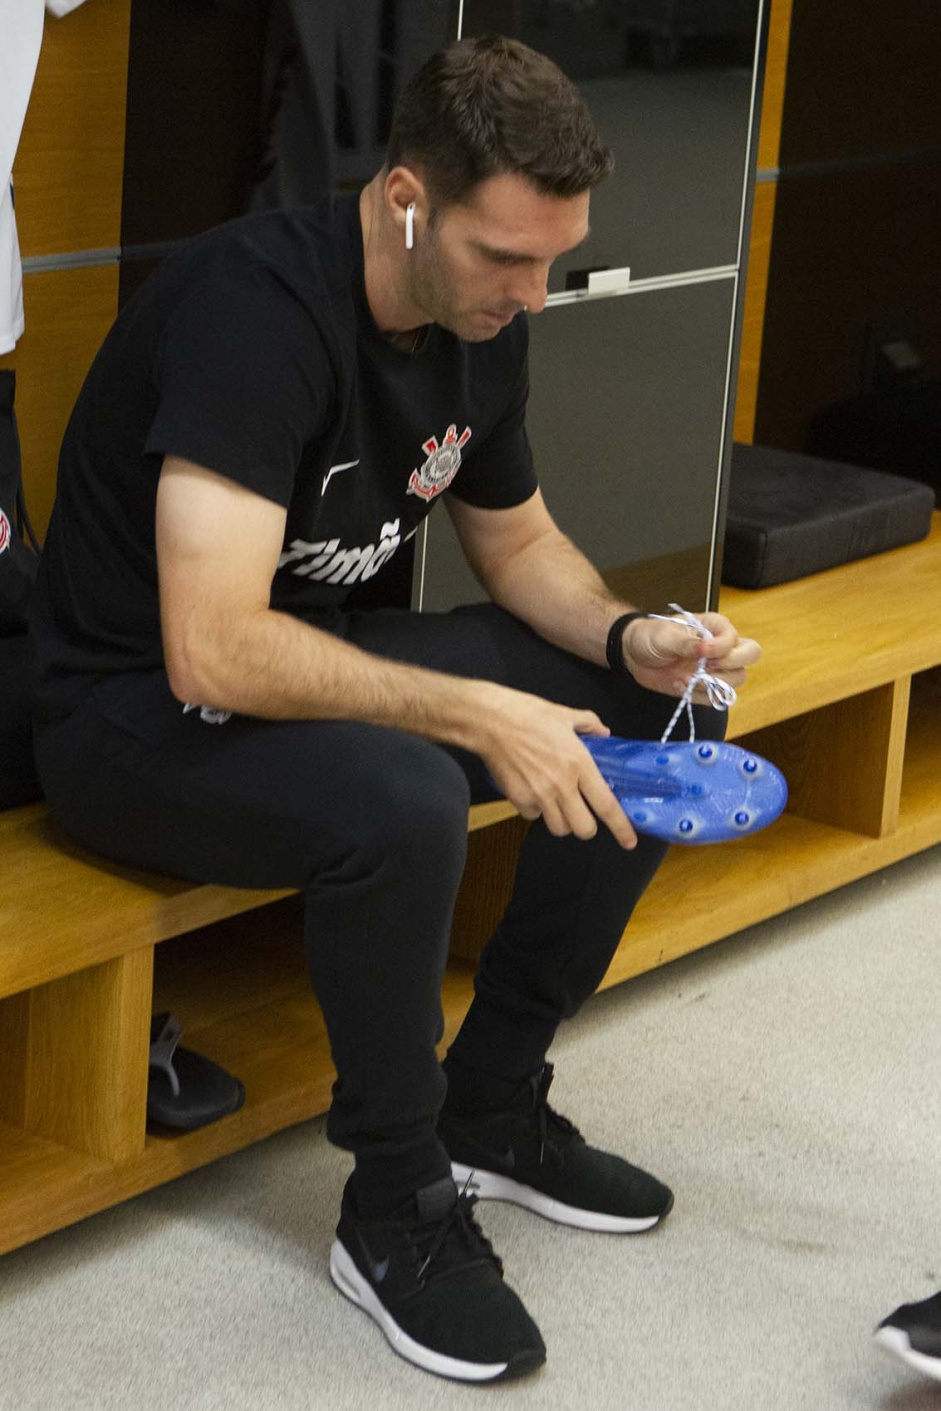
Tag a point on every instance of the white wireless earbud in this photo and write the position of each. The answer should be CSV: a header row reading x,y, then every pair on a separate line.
x,y
410,225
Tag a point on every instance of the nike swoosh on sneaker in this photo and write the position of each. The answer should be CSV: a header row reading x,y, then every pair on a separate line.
x,y
495,1159
376,1268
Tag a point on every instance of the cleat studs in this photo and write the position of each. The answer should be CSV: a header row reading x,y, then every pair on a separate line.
x,y
686,825
742,819
750,766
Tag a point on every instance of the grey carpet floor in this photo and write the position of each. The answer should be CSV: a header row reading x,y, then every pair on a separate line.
x,y
785,1082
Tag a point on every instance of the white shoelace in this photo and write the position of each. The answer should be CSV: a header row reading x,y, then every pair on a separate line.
x,y
719,694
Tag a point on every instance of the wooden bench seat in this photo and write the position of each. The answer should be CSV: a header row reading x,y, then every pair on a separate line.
x,y
847,700
62,909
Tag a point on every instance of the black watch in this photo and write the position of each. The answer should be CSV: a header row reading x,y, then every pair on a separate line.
x,y
613,652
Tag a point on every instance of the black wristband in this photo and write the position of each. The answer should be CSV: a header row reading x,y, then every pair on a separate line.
x,y
613,653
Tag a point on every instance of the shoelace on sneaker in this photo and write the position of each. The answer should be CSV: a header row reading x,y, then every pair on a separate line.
x,y
546,1116
458,1226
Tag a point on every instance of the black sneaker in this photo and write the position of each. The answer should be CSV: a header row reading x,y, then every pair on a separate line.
x,y
432,1282
913,1332
528,1154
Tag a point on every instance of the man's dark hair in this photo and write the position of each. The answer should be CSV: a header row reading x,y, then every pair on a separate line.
x,y
482,107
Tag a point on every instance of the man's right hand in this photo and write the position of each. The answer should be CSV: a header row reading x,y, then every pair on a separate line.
x,y
532,748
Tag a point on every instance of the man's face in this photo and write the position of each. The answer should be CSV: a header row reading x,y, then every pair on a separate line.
x,y
477,264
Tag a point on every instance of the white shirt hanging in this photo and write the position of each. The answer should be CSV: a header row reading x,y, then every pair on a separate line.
x,y
21,23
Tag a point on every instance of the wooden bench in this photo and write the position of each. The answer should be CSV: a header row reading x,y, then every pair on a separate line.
x,y
78,983
847,700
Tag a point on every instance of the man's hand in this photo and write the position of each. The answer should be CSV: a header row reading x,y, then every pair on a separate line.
x,y
663,654
532,749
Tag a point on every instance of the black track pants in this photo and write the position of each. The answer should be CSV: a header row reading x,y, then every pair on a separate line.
x,y
372,824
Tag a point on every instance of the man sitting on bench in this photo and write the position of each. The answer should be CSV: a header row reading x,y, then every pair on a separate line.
x,y
265,428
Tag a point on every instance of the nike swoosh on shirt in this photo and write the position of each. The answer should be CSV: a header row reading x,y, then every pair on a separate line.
x,y
335,470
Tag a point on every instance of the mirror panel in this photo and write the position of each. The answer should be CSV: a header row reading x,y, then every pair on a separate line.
x,y
629,457
670,87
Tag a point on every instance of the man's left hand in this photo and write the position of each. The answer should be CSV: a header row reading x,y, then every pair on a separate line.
x,y
662,654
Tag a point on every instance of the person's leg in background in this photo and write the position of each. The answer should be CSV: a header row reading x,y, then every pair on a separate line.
x,y
913,1333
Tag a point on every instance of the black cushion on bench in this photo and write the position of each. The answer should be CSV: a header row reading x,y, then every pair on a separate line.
x,y
18,782
790,515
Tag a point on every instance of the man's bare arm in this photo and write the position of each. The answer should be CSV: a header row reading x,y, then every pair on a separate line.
x,y
218,546
528,566
217,550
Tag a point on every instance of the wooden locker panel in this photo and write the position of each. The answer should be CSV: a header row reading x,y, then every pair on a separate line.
x,y
772,99
68,313
753,320
69,164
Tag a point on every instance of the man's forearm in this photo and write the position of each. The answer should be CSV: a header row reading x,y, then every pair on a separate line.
x,y
554,588
274,666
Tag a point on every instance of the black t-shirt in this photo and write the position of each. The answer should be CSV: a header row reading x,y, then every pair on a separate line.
x,y
252,352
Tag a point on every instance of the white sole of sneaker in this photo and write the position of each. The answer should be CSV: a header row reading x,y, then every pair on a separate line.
x,y
358,1290
896,1341
489,1186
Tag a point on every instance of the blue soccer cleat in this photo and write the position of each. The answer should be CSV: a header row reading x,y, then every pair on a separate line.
x,y
701,791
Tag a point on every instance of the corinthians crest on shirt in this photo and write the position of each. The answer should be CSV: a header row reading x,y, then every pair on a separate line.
x,y
442,464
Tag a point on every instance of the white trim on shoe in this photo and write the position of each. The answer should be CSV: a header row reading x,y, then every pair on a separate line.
x,y
896,1341
489,1186
358,1290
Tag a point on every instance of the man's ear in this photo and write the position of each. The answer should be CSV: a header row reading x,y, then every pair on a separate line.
x,y
406,202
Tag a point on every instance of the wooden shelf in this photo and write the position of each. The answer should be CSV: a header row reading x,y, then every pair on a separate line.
x,y
43,1185
274,1039
838,634
920,811
701,895
103,908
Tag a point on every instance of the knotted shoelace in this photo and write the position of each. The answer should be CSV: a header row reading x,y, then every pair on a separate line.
x,y
719,693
